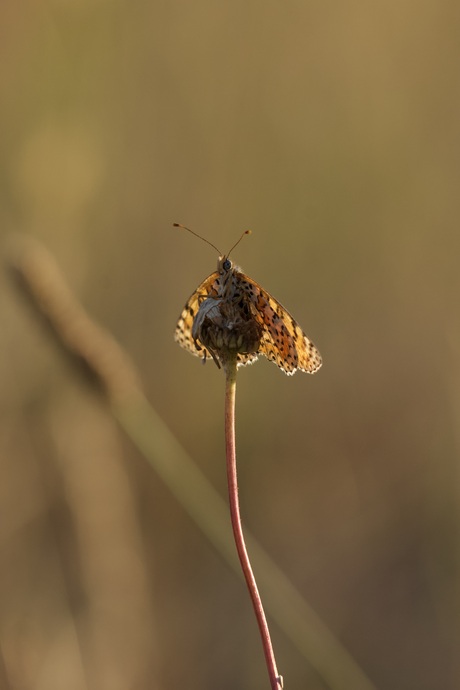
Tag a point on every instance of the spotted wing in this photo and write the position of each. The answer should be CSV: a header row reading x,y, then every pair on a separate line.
x,y
283,341
183,333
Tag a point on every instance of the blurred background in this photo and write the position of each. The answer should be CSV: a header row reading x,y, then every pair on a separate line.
x,y
332,131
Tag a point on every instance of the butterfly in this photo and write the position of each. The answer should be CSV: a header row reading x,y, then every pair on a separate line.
x,y
231,311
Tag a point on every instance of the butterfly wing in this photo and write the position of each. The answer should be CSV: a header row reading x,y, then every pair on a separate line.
x,y
283,341
183,332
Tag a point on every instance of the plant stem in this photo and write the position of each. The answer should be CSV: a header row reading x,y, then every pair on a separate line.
x,y
276,681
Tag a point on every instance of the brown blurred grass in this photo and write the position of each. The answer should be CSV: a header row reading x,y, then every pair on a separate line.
x,y
332,132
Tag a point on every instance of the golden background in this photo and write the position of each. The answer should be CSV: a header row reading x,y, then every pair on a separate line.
x,y
332,131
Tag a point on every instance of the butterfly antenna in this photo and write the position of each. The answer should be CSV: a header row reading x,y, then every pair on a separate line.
x,y
246,232
179,225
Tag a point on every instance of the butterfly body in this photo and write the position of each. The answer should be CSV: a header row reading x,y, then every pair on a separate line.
x,y
230,312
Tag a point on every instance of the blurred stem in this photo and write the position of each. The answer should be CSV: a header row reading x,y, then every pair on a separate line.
x,y
232,479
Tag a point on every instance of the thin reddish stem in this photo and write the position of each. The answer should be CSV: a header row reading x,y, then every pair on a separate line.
x,y
232,479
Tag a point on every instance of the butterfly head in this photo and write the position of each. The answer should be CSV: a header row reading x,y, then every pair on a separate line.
x,y
224,265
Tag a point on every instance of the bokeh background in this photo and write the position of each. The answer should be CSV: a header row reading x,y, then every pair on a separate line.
x,y
332,131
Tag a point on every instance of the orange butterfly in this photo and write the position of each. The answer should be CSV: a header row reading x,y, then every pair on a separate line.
x,y
231,310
